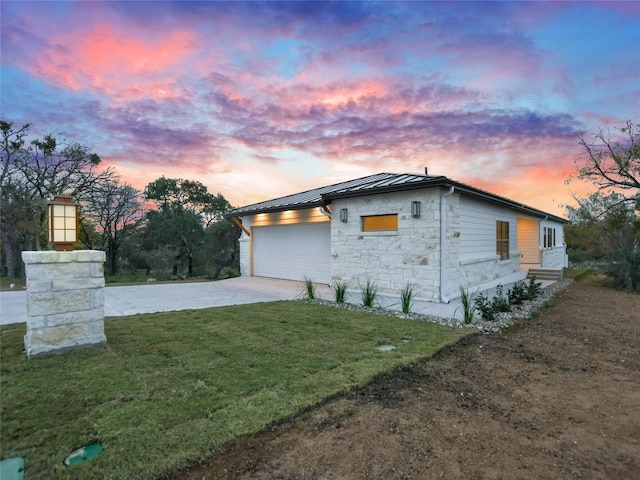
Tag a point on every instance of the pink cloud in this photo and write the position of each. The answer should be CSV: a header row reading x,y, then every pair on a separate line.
x,y
103,59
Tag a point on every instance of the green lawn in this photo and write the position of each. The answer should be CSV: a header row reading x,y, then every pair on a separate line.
x,y
171,388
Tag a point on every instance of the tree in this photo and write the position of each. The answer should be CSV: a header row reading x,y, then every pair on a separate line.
x,y
184,209
614,165
31,174
608,220
116,210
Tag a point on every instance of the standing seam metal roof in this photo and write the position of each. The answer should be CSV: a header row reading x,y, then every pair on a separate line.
x,y
374,184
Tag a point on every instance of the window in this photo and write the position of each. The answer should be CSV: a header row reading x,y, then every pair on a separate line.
x,y
549,239
502,239
377,223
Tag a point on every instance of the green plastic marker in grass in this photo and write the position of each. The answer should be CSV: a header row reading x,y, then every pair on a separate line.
x,y
12,468
83,454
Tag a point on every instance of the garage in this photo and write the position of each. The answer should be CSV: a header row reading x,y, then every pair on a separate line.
x,y
293,252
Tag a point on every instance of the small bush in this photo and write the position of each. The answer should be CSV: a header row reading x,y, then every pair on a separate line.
x,y
517,294
369,293
406,297
500,302
228,272
485,307
624,268
534,289
340,291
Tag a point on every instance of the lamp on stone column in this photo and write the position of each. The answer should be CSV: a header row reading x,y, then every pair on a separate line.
x,y
63,223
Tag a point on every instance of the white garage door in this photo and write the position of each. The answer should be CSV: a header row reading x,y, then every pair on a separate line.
x,y
293,252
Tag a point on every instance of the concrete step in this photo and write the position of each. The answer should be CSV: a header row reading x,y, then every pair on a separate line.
x,y
546,273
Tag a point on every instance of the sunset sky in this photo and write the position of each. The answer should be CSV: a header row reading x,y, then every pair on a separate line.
x,y
262,99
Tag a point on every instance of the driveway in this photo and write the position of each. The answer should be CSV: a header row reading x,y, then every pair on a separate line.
x,y
166,297
150,298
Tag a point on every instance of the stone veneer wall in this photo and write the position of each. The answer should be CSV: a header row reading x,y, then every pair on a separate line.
x,y
390,259
244,244
65,300
554,257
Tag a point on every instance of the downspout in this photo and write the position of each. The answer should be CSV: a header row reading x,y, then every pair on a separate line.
x,y
443,249
324,211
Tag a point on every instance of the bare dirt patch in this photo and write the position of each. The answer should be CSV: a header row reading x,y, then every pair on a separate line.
x,y
559,397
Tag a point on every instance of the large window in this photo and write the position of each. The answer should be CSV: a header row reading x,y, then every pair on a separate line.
x,y
502,239
378,223
549,239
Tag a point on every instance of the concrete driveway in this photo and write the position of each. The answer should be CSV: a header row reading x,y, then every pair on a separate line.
x,y
151,298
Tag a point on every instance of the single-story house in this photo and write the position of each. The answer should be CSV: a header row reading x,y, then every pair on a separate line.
x,y
399,229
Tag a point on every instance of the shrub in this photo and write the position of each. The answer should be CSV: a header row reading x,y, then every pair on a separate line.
x,y
534,289
340,291
500,302
517,294
485,307
228,272
624,269
406,297
369,293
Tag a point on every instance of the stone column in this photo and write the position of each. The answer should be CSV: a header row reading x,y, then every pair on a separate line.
x,y
65,300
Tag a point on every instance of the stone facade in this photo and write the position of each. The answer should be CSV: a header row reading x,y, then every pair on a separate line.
x,y
554,257
65,300
451,245
394,259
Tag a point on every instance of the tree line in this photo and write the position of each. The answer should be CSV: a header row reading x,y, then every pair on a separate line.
x,y
186,233
183,232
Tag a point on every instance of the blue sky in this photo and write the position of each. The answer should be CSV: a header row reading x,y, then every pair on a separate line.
x,y
262,99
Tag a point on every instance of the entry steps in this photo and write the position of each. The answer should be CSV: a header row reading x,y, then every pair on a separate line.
x,y
555,274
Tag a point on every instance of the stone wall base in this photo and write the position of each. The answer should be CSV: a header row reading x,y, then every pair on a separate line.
x,y
65,300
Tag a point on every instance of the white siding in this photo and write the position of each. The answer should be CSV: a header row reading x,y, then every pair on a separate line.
x,y
478,229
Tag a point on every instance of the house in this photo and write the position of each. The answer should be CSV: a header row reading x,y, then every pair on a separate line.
x,y
397,229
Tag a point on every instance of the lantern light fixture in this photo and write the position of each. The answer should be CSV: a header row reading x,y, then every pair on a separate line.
x,y
415,209
344,215
63,222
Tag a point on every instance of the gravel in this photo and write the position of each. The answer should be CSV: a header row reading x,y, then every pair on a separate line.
x,y
502,321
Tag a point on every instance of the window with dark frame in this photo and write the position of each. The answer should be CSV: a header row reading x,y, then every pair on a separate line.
x,y
549,239
502,239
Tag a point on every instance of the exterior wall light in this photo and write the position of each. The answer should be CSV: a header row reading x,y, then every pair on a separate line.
x,y
344,215
63,223
415,209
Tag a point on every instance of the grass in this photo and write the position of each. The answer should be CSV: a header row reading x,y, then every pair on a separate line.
x,y
170,389
578,273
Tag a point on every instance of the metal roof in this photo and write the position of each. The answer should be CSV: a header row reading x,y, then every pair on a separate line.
x,y
377,184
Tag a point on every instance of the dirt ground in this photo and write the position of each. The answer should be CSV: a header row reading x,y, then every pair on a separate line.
x,y
559,397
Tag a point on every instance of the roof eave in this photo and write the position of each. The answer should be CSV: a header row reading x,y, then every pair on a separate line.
x,y
280,208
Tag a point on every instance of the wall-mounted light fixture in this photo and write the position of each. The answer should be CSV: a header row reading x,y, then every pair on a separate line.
x,y
415,209
344,215
63,222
